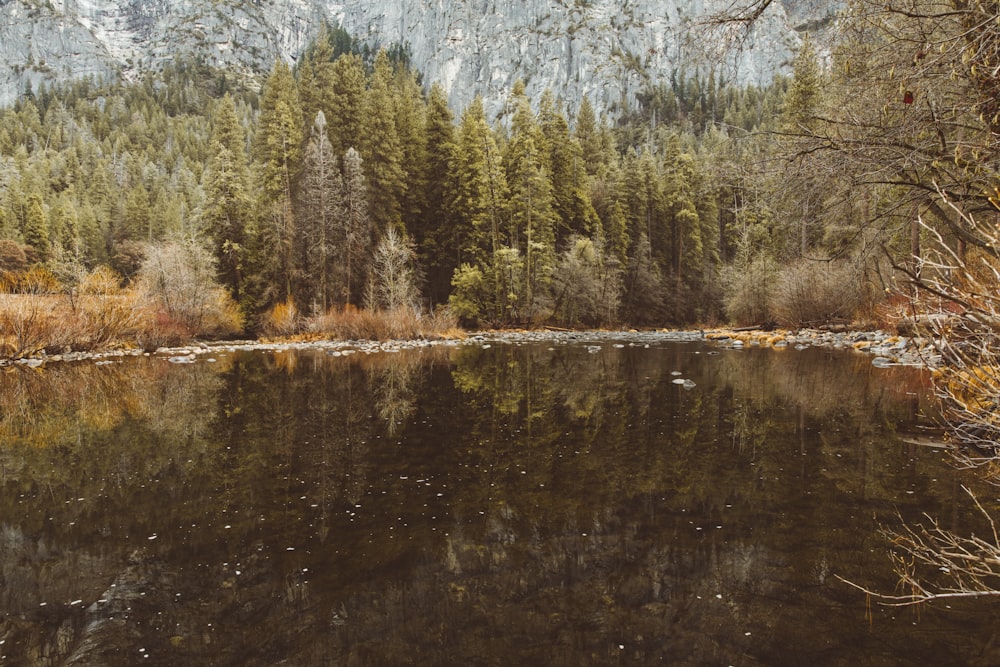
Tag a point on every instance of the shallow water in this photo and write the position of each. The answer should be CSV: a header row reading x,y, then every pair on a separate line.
x,y
543,504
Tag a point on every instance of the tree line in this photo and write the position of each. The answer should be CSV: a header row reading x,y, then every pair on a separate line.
x,y
346,182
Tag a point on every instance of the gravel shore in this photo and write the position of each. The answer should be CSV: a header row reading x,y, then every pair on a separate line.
x,y
884,349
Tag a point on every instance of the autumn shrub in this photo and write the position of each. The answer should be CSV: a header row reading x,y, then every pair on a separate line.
x,y
28,325
398,323
814,292
35,280
105,312
177,285
283,319
160,329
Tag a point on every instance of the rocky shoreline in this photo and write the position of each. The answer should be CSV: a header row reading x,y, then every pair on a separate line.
x,y
885,349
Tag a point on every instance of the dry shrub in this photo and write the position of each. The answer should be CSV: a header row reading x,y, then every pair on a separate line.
x,y
106,312
36,280
177,283
160,329
810,292
32,317
398,323
222,317
917,315
749,292
442,323
282,320
28,325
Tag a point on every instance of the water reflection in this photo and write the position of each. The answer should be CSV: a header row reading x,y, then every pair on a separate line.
x,y
467,506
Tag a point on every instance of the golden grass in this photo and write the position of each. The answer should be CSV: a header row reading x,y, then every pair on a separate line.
x,y
396,324
103,316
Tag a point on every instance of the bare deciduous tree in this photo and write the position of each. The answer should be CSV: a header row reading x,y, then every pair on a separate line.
x,y
934,563
392,283
180,277
322,206
354,226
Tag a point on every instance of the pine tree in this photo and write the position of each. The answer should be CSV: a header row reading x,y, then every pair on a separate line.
x,y
411,128
346,99
799,117
356,227
66,224
305,80
477,192
278,149
567,171
279,134
533,217
589,136
802,100
36,227
138,218
434,233
316,78
686,247
477,200
228,213
381,150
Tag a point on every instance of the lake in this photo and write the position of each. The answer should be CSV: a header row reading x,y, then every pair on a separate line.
x,y
564,502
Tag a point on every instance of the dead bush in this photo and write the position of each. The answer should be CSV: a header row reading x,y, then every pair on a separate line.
x,y
106,312
159,329
28,325
815,292
178,279
749,292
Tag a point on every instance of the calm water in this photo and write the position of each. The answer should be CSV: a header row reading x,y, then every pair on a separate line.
x,y
510,505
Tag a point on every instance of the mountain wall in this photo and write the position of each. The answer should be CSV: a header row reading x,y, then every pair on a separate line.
x,y
607,50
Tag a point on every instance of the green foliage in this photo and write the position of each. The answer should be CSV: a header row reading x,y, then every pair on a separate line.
x,y
36,228
803,98
513,223
381,150
470,297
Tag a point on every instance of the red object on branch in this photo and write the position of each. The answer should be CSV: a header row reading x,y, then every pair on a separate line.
x,y
907,97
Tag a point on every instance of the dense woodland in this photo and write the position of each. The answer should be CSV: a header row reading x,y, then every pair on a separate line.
x,y
348,182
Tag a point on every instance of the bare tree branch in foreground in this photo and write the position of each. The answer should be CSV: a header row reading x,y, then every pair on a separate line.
x,y
933,563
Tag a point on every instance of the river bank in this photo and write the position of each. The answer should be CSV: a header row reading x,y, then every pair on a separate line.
x,y
885,349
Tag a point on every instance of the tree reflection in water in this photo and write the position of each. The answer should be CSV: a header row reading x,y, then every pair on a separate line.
x,y
467,506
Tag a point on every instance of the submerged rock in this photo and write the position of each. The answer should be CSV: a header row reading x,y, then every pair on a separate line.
x,y
186,359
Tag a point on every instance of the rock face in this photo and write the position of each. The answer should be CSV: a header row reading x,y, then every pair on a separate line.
x,y
607,50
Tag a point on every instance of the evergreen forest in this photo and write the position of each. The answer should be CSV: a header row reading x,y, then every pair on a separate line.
x,y
347,182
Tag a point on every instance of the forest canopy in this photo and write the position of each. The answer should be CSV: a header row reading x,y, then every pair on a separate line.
x,y
348,182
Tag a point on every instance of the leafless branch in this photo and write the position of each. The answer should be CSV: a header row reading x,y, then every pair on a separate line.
x,y
934,563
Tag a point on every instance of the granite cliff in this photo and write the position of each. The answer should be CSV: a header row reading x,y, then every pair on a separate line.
x,y
608,50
